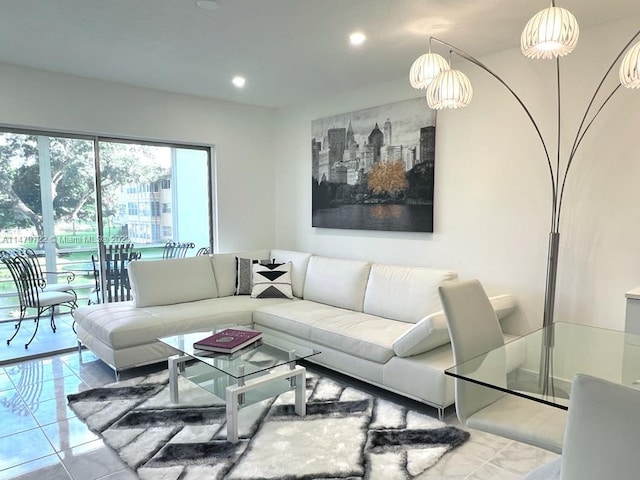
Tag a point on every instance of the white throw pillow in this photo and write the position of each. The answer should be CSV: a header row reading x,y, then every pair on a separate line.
x,y
271,280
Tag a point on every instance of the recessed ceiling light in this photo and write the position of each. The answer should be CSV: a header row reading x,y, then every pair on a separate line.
x,y
208,4
357,38
238,81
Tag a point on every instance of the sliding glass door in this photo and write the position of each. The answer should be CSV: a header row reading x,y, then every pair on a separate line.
x,y
47,198
153,195
53,201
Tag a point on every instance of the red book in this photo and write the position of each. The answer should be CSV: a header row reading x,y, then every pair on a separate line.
x,y
228,341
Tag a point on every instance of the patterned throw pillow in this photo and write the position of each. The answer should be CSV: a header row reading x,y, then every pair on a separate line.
x,y
244,273
272,280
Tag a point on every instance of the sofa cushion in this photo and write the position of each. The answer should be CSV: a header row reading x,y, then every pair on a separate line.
x,y
359,334
224,269
403,293
295,318
271,280
431,331
299,262
336,282
121,325
99,320
166,282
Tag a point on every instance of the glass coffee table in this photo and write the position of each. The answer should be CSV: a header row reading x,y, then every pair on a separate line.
x,y
245,377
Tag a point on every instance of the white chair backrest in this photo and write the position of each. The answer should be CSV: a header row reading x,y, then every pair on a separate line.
x,y
474,330
603,431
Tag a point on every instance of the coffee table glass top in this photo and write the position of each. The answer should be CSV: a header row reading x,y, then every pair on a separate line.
x,y
562,351
254,359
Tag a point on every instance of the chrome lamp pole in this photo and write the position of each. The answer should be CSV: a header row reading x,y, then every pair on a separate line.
x,y
551,33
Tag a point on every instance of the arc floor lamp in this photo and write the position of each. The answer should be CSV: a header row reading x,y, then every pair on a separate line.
x,y
550,34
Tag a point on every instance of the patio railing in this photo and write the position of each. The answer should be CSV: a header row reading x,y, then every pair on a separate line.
x,y
83,284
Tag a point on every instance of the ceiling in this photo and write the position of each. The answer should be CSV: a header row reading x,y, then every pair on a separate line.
x,y
290,51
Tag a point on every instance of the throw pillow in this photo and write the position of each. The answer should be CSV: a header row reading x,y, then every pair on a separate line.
x,y
244,273
272,280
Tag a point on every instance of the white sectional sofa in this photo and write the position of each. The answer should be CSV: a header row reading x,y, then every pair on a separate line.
x,y
379,323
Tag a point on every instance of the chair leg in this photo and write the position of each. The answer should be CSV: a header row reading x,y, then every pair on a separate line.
x,y
37,320
52,320
17,326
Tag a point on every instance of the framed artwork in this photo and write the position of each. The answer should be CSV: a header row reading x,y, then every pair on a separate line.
x,y
373,169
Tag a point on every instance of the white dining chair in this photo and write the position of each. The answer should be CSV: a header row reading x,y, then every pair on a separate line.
x,y
603,434
474,330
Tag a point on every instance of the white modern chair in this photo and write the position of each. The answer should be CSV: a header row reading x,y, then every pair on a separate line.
x,y
603,434
474,330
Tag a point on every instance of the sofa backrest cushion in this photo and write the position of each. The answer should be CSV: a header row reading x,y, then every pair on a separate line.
x,y
299,262
404,293
337,282
224,268
165,282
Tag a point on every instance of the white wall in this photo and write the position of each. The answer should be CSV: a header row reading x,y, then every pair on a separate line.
x,y
242,136
492,205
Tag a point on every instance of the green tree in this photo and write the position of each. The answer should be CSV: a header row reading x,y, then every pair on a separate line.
x,y
72,178
420,179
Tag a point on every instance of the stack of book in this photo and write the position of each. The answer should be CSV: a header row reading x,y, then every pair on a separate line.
x,y
228,341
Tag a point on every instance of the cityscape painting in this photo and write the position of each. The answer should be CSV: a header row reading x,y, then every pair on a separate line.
x,y
374,169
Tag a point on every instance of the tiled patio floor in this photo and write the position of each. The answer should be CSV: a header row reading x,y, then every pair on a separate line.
x,y
45,341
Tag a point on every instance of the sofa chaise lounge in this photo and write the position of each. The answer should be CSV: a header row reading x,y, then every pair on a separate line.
x,y
378,323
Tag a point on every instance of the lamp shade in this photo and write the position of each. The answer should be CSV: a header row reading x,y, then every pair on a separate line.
x,y
450,89
425,68
550,33
630,68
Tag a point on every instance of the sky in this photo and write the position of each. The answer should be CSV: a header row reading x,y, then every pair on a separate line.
x,y
407,117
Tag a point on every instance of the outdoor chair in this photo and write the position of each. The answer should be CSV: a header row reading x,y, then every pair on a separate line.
x,y
31,292
474,330
176,249
42,275
118,248
203,251
116,276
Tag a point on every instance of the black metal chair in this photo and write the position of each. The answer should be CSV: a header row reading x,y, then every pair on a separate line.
x,y
117,286
32,256
31,293
203,251
176,249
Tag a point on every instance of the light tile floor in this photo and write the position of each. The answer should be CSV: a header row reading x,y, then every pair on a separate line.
x,y
40,438
45,341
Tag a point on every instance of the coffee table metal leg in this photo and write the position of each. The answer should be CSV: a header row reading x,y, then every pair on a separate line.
x,y
301,399
233,393
231,401
176,365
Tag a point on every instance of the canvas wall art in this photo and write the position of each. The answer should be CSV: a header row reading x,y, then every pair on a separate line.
x,y
373,169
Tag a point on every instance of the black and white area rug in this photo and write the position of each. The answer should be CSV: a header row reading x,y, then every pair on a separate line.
x,y
347,433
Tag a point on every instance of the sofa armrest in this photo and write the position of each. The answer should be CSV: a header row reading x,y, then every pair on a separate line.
x,y
503,305
431,331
